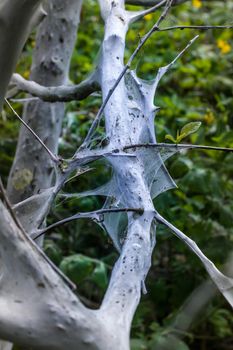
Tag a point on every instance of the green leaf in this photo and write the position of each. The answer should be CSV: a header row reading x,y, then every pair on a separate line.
x,y
222,321
77,267
99,275
188,129
171,138
53,251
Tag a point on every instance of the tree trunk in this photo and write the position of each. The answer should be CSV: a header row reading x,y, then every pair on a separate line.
x,y
128,276
32,170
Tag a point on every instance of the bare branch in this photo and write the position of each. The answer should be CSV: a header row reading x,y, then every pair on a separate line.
x,y
92,155
154,2
54,158
227,26
23,100
143,2
63,93
94,215
134,16
176,146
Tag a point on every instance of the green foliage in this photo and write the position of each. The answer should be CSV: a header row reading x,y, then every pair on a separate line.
x,y
53,251
79,267
138,344
167,342
222,322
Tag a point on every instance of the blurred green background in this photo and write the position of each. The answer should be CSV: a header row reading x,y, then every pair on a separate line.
x,y
198,88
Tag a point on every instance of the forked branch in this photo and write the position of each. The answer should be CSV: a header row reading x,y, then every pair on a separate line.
x,y
64,93
94,215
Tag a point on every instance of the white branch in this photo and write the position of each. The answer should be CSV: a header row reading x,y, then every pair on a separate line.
x,y
224,283
94,215
29,283
63,93
134,16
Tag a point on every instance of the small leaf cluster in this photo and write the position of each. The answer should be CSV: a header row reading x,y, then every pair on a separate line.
x,y
187,130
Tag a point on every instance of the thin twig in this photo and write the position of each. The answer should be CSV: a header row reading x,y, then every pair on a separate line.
x,y
134,15
153,2
94,215
175,146
52,156
154,28
181,27
119,151
23,100
127,66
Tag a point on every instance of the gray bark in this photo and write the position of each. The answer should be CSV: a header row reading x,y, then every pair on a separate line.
x,y
16,19
32,170
37,309
15,22
5,345
62,93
